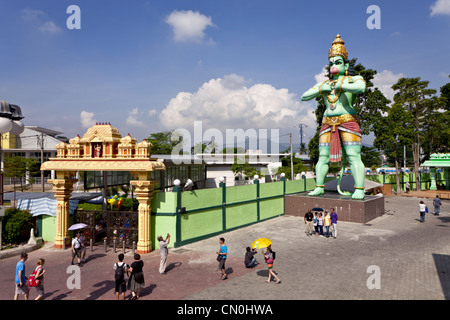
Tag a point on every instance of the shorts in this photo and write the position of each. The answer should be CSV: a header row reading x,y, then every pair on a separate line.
x,y
21,289
222,264
76,253
40,290
121,286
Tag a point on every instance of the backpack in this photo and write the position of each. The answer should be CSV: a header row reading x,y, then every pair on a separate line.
x,y
119,275
273,255
32,281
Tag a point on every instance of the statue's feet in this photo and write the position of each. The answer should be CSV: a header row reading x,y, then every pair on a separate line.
x,y
318,191
358,194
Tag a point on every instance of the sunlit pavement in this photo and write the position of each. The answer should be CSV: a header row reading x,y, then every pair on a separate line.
x,y
392,257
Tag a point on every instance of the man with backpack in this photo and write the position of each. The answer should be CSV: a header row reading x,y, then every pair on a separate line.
x,y
120,268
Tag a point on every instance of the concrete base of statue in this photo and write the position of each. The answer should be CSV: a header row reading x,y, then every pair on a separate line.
x,y
361,211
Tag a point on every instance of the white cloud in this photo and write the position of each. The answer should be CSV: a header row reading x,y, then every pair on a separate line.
x,y
152,112
385,80
189,26
87,119
228,104
440,7
29,14
50,27
133,118
322,76
40,18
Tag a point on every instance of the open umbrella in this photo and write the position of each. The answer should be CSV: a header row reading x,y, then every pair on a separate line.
x,y
317,209
77,226
261,243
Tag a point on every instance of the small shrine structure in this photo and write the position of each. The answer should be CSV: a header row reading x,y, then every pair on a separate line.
x,y
102,148
438,160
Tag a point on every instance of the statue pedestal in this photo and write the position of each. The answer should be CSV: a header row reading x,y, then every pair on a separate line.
x,y
360,211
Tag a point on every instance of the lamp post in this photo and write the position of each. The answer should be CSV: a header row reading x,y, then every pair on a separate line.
x,y
304,180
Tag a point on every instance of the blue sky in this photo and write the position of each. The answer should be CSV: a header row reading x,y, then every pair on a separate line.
x,y
149,66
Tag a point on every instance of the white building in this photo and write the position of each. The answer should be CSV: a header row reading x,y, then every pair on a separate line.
x,y
29,144
219,165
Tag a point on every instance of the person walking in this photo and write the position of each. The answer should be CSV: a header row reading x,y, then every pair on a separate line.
x,y
223,252
82,240
40,276
76,249
21,285
422,209
334,219
320,224
308,222
327,223
437,203
136,281
120,269
269,258
164,252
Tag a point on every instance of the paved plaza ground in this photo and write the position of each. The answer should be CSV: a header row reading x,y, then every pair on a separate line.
x,y
412,259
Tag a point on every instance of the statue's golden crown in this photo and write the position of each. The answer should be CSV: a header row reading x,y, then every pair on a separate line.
x,y
338,48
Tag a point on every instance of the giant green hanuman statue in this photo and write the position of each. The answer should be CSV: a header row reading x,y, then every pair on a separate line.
x,y
340,134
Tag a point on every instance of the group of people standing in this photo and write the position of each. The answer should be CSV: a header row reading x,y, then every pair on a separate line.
x,y
135,272
319,221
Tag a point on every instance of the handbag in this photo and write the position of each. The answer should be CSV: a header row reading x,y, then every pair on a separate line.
x,y
426,209
219,257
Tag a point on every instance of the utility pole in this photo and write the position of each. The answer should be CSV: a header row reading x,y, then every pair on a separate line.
x,y
42,161
301,136
292,159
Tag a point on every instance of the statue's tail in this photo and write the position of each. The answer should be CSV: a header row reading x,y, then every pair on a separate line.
x,y
344,160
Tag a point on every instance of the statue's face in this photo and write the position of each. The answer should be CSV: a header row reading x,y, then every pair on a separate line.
x,y
337,66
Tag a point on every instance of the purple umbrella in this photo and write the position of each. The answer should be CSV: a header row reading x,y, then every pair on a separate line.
x,y
77,226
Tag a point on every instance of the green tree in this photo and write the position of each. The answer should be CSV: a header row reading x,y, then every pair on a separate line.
x,y
397,131
243,168
435,127
285,168
161,142
19,168
413,95
445,93
370,156
17,225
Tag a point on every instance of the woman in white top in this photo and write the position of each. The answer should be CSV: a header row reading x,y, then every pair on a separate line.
x,y
423,209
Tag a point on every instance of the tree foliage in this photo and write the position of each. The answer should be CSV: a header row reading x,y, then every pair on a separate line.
x,y
414,96
20,167
395,131
161,142
17,225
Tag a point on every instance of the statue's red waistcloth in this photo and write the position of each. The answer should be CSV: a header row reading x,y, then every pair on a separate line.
x,y
335,141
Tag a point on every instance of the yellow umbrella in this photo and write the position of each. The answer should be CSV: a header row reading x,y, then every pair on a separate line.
x,y
261,243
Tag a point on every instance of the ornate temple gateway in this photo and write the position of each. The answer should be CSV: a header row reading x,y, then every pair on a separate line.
x,y
102,148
